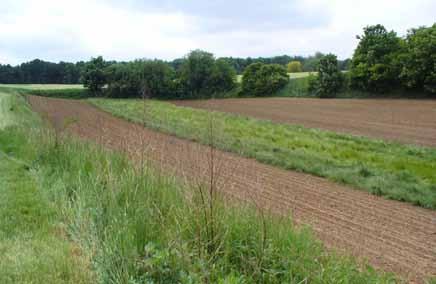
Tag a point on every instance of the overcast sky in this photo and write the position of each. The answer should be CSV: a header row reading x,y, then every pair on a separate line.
x,y
56,30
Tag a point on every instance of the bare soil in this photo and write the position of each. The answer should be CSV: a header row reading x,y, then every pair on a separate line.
x,y
393,236
406,121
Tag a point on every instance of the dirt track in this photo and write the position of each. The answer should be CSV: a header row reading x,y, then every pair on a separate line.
x,y
407,121
394,236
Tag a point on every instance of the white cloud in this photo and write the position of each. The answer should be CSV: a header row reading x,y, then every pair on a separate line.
x,y
76,30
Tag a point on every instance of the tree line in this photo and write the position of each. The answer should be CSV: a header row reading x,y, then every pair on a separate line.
x,y
200,75
42,72
308,64
383,62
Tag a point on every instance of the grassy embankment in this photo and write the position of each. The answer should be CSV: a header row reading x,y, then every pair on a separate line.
x,y
392,170
75,213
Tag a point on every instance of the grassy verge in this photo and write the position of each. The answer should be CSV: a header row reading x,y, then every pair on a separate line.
x,y
12,111
32,242
395,171
73,212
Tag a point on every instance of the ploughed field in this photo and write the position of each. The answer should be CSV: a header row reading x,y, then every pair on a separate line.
x,y
392,235
405,121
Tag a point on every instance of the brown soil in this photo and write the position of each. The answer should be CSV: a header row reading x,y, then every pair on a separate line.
x,y
407,121
393,236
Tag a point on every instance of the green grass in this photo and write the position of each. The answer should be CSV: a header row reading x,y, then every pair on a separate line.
x,y
291,75
297,87
43,86
72,212
395,171
12,111
32,246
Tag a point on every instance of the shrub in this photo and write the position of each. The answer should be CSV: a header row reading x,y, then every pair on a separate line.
x,y
295,66
329,80
263,79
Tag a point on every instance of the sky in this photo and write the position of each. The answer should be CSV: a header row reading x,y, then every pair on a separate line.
x,y
61,30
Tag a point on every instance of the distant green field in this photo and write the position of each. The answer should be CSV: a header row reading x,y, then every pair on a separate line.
x,y
48,90
291,75
301,74
42,86
396,171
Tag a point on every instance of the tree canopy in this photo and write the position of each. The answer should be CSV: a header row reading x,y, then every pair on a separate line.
x,y
330,79
264,79
374,67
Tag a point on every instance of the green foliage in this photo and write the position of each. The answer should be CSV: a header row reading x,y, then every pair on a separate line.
x,y
329,80
157,79
33,245
398,172
295,67
201,75
93,76
140,78
41,72
124,80
263,79
419,59
374,66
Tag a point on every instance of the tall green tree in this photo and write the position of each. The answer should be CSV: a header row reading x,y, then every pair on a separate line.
x,y
330,79
373,66
419,60
202,76
157,79
94,76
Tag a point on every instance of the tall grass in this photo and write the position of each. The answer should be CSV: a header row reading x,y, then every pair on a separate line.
x,y
392,170
136,226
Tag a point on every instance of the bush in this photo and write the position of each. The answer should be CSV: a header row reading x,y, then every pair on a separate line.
x,y
263,79
295,66
329,80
